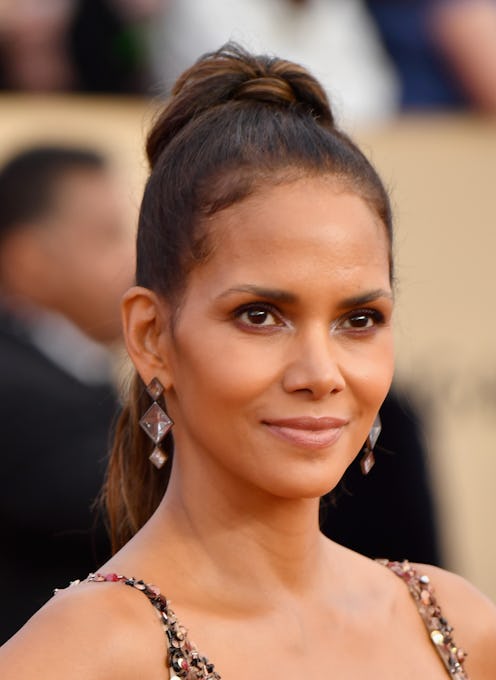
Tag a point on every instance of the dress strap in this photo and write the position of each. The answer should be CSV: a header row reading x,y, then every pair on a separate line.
x,y
183,659
186,663
437,626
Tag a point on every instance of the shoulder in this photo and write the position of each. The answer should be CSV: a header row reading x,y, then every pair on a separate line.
x,y
472,616
91,631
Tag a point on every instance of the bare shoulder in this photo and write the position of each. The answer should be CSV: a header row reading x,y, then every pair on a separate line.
x,y
92,631
472,616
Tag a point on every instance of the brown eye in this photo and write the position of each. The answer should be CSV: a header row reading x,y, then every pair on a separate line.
x,y
360,321
257,315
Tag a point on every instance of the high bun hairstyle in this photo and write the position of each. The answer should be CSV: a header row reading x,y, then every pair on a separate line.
x,y
234,122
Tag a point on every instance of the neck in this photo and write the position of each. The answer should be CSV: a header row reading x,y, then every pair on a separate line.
x,y
241,541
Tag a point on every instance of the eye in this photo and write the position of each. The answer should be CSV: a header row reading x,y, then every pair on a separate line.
x,y
257,315
362,320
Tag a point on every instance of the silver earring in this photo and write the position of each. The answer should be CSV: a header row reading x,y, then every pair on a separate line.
x,y
368,459
156,423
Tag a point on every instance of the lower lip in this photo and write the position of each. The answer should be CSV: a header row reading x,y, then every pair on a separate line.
x,y
309,439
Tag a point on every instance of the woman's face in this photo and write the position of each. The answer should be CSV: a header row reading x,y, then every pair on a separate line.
x,y
282,350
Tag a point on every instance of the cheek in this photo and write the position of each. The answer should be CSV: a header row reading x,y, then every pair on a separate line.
x,y
223,371
371,372
382,378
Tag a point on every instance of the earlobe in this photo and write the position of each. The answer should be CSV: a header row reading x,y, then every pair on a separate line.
x,y
144,322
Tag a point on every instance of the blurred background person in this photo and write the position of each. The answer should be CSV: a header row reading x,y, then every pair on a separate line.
x,y
108,45
444,51
65,260
33,50
336,39
97,46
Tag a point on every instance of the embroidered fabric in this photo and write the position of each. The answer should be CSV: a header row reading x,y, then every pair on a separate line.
x,y
183,659
185,662
440,632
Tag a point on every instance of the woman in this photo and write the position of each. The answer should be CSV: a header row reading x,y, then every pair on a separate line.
x,y
261,322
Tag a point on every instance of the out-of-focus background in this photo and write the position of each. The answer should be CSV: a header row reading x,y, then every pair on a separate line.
x,y
414,82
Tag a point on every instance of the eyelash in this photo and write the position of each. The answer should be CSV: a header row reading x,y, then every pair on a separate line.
x,y
375,315
258,306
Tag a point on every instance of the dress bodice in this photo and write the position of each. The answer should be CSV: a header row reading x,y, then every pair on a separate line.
x,y
185,662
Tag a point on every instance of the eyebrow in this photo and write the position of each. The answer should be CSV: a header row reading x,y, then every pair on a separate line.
x,y
370,296
260,291
289,298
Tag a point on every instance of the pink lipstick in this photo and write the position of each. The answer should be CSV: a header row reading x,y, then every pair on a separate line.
x,y
307,432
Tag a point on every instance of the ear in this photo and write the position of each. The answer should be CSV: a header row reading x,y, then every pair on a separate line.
x,y
145,322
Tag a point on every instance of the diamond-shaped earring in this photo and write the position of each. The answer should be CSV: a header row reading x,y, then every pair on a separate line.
x,y
367,461
156,423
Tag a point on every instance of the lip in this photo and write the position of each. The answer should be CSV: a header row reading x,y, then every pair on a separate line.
x,y
308,432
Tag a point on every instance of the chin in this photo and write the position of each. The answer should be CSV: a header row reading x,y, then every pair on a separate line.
x,y
305,488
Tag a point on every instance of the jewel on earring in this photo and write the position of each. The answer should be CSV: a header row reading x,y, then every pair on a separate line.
x,y
156,423
157,457
367,461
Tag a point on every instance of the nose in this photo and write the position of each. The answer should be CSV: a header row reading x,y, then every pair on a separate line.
x,y
314,366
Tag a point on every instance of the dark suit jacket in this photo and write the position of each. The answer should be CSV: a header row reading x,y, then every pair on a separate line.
x,y
54,433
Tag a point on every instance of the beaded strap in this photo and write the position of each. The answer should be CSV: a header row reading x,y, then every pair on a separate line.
x,y
183,659
438,628
185,662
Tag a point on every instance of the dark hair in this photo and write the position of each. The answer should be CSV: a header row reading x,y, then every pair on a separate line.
x,y
29,179
235,121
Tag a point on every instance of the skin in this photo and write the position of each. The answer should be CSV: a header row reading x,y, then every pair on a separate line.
x,y
235,543
284,363
465,31
77,259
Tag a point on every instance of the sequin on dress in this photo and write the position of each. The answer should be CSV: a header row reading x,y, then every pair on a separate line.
x,y
186,663
439,630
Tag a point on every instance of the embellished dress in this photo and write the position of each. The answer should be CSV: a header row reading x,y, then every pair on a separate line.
x,y
186,663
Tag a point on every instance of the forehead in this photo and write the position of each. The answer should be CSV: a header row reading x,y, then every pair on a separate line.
x,y
309,224
76,186
90,196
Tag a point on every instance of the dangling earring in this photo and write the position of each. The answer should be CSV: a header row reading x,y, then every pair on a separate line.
x,y
368,459
156,423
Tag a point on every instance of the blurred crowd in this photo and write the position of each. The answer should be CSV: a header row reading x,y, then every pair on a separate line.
x,y
75,45
377,57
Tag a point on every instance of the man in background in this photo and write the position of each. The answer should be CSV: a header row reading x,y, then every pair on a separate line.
x,y
444,52
65,260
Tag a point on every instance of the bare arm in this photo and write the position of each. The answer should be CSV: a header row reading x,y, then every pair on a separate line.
x,y
91,632
465,31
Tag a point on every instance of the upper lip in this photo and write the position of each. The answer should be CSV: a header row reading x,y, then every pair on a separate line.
x,y
308,423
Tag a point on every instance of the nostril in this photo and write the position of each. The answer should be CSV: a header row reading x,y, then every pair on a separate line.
x,y
317,380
